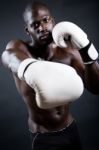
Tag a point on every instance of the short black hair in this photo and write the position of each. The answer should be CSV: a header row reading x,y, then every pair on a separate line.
x,y
31,6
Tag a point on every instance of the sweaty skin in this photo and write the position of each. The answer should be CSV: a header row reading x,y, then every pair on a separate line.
x,y
39,26
40,119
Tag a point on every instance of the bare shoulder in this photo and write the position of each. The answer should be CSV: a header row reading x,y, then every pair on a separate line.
x,y
77,63
14,53
16,44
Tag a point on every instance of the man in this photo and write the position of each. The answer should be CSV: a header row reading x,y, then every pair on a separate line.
x,y
33,65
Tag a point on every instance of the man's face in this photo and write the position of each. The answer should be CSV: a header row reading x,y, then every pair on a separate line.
x,y
40,25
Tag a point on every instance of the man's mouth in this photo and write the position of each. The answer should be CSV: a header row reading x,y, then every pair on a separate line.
x,y
44,36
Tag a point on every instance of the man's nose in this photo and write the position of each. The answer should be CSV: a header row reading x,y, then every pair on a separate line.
x,y
42,27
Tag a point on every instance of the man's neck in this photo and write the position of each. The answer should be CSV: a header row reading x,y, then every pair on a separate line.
x,y
44,51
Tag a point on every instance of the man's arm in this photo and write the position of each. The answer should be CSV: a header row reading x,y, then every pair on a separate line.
x,y
13,55
91,77
49,80
88,72
67,31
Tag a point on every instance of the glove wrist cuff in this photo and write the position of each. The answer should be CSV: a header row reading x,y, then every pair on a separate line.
x,y
23,67
89,54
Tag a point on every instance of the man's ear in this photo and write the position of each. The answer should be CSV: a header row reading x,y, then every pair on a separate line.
x,y
26,30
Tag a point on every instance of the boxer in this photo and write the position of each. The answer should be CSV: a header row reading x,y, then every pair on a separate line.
x,y
50,72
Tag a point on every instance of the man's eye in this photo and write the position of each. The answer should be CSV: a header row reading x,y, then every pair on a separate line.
x,y
35,25
46,20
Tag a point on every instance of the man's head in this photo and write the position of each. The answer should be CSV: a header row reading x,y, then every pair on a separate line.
x,y
39,23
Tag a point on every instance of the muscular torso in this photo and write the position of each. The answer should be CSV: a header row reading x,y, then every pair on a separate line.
x,y
44,120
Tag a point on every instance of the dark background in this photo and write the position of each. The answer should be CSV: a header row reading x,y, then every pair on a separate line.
x,y
14,134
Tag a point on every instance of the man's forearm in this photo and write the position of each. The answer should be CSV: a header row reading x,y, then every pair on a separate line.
x,y
92,77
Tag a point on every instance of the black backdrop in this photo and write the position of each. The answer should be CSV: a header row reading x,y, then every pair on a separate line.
x,y
14,132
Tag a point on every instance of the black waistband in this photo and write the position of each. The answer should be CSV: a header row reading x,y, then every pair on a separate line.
x,y
70,126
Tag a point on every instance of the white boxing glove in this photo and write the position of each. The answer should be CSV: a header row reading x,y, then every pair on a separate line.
x,y
55,84
65,31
